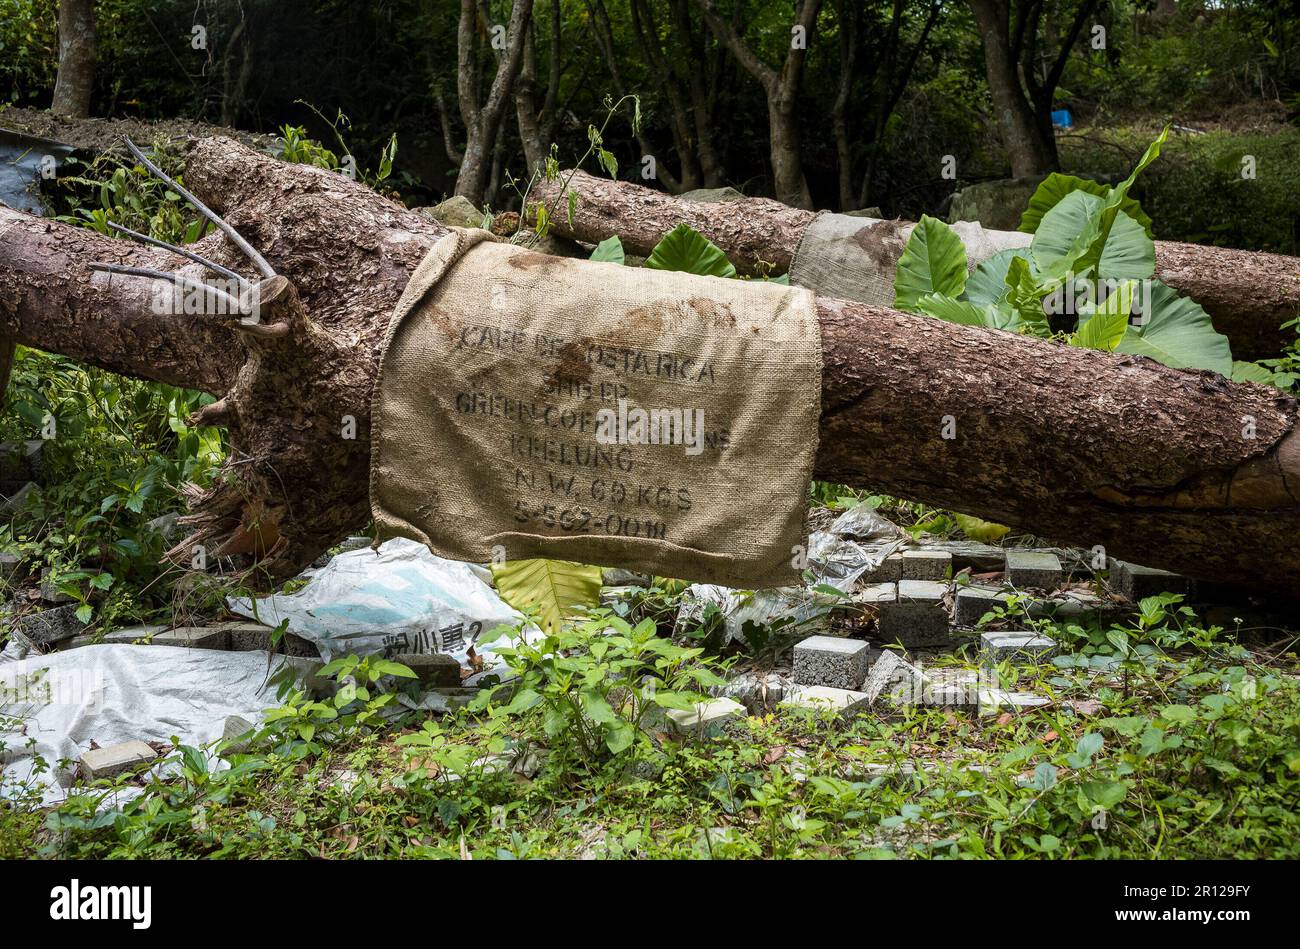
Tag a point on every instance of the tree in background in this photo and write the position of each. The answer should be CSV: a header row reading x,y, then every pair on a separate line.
x,y
782,88
872,51
537,123
76,78
478,38
1023,73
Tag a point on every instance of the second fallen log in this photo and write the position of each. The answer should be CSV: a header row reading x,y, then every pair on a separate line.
x,y
1248,294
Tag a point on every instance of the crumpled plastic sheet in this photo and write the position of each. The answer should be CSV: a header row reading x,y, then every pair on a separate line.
x,y
839,562
797,606
400,598
862,522
115,693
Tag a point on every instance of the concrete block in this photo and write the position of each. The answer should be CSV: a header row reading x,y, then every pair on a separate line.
x,y
13,498
951,688
1135,581
980,558
843,702
1076,606
972,602
12,568
433,670
50,593
129,635
919,617
888,570
21,461
102,763
194,637
247,636
830,661
758,693
48,628
232,731
873,594
926,565
996,701
1004,646
1033,568
894,681
705,718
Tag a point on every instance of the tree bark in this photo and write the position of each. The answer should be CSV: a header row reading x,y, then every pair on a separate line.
x,y
76,78
1248,294
1091,448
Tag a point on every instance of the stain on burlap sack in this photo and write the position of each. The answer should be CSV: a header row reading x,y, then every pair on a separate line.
x,y
537,406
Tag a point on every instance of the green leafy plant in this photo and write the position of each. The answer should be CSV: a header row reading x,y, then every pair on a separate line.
x,y
1089,266
685,250
590,686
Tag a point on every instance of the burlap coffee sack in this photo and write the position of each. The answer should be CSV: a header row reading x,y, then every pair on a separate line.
x,y
855,258
505,375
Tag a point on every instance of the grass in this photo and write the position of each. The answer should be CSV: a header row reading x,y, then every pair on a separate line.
x,y
1181,744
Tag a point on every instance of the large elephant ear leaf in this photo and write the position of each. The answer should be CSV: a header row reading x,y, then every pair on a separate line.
x,y
988,284
934,261
554,589
686,250
1056,186
1175,330
610,250
954,311
1107,324
1128,253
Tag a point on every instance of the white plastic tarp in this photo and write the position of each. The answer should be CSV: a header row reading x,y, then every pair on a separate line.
x,y
112,694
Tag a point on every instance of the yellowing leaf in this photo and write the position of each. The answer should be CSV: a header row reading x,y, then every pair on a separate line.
x,y
555,589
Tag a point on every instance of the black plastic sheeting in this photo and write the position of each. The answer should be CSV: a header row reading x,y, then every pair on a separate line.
x,y
21,157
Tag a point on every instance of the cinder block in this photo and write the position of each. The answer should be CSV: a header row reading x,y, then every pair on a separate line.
x,y
130,635
918,617
758,693
236,731
22,461
830,661
843,702
926,565
245,637
14,497
873,594
995,701
48,628
102,763
888,570
434,670
50,593
1033,568
705,718
998,647
972,602
951,688
194,637
895,681
1136,582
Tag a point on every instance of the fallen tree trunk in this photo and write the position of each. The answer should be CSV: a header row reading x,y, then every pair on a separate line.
x,y
1248,294
1183,470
